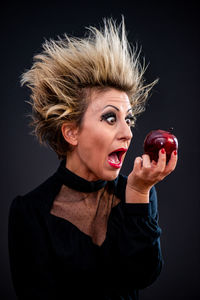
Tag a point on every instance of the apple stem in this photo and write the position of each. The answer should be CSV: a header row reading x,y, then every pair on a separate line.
x,y
171,129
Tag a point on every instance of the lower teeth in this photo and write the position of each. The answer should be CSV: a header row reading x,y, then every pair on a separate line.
x,y
113,161
114,158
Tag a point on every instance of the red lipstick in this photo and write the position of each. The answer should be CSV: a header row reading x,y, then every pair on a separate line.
x,y
115,157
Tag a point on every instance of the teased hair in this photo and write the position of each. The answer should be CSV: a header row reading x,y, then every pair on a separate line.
x,y
67,68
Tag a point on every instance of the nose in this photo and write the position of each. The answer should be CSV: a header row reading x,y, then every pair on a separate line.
x,y
124,132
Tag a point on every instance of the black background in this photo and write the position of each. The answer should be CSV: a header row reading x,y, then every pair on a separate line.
x,y
169,36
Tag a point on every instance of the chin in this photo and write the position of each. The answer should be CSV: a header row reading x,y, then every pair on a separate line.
x,y
110,175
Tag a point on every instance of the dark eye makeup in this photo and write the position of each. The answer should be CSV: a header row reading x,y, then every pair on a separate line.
x,y
111,118
130,120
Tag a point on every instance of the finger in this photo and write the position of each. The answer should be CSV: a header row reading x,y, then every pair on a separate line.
x,y
146,161
138,163
153,163
172,163
161,160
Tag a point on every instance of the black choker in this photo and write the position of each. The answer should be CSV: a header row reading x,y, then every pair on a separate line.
x,y
76,182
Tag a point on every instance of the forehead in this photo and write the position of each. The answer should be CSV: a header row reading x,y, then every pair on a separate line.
x,y
114,97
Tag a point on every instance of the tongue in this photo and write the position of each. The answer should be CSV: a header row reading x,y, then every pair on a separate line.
x,y
113,158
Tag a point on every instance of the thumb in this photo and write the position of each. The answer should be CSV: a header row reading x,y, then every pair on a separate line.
x,y
138,164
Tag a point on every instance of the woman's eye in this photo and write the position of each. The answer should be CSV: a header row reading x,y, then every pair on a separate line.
x,y
130,121
110,118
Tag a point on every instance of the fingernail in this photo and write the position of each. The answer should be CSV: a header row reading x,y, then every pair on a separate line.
x,y
163,150
175,152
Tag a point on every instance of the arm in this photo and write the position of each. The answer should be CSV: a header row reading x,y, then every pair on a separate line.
x,y
137,254
30,260
138,257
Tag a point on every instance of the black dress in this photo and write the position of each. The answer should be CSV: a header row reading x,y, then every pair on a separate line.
x,y
51,258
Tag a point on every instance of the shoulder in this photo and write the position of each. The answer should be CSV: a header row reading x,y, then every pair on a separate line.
x,y
35,199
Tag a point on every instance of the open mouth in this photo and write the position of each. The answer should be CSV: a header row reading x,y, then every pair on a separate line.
x,y
115,157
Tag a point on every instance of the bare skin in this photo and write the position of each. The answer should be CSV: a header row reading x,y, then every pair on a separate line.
x,y
98,137
145,174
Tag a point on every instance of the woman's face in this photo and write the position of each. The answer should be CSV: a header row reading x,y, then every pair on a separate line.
x,y
103,138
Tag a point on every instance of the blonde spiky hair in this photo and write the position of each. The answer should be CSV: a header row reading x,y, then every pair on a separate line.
x,y
66,69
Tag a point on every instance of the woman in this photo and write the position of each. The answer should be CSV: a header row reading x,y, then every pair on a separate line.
x,y
88,232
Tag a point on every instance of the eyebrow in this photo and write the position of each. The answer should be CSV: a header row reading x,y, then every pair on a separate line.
x,y
116,107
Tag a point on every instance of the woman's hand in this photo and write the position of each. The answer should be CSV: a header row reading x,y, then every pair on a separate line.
x,y
145,174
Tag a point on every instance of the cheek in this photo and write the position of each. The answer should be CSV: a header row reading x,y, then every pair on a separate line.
x,y
95,144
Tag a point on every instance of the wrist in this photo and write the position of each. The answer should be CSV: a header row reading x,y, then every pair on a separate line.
x,y
135,195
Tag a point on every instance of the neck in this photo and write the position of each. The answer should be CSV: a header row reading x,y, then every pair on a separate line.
x,y
74,165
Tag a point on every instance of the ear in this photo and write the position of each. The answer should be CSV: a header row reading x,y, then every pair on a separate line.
x,y
70,133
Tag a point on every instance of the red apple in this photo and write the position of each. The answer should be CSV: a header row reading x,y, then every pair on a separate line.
x,y
157,139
